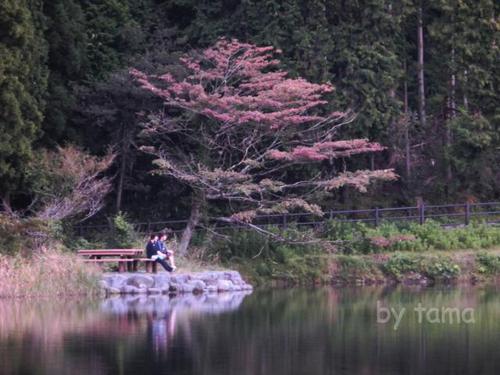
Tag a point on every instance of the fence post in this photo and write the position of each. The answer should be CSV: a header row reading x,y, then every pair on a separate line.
x,y
377,216
421,213
467,213
331,214
284,221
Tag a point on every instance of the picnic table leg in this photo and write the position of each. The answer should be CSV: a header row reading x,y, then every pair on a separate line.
x,y
155,269
130,266
121,266
134,265
149,267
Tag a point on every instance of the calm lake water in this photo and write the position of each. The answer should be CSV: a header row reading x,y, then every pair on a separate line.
x,y
319,331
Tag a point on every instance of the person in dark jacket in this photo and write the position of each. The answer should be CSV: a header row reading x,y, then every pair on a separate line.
x,y
152,252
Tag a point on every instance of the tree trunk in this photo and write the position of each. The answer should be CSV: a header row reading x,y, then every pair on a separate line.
x,y
453,86
6,203
194,219
420,68
121,178
123,166
464,89
407,149
407,123
405,89
452,110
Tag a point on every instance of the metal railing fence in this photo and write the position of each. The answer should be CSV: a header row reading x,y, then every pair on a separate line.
x,y
446,214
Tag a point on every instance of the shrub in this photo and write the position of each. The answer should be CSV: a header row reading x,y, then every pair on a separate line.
x,y
123,233
397,242
391,237
399,264
353,236
241,244
18,235
439,267
78,243
488,263
352,267
434,267
434,236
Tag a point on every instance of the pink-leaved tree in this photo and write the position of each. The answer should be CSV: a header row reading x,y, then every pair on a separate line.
x,y
235,127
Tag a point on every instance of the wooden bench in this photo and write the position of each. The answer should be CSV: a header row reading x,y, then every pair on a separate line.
x,y
151,265
123,263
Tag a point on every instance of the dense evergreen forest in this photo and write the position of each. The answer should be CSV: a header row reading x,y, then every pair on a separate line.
x,y
421,76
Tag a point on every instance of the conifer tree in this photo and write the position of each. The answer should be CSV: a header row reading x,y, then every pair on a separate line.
x,y
112,35
22,87
465,35
67,62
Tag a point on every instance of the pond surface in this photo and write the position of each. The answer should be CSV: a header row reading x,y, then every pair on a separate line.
x,y
278,332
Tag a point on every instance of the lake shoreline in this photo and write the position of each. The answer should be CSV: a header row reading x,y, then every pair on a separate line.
x,y
461,267
57,273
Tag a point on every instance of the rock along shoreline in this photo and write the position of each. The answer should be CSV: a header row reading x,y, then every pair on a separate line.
x,y
176,283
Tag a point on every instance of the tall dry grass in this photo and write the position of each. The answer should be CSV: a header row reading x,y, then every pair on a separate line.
x,y
47,274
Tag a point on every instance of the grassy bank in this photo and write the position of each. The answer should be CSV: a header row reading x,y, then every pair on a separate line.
x,y
46,274
428,268
424,268
356,253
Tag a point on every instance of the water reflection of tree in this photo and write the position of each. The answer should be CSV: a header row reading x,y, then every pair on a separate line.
x,y
321,331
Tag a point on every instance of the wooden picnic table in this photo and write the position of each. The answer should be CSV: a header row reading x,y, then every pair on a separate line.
x,y
126,258
123,253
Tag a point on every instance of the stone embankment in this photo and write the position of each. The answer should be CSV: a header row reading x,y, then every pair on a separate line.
x,y
165,283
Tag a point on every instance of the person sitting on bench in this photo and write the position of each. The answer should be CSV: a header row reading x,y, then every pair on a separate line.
x,y
152,252
162,247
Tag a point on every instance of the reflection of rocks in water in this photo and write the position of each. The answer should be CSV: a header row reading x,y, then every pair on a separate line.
x,y
162,305
161,318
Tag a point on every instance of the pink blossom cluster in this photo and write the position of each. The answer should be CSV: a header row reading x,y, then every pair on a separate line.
x,y
238,83
326,150
359,179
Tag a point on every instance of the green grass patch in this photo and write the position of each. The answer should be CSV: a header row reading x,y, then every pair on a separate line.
x,y
359,238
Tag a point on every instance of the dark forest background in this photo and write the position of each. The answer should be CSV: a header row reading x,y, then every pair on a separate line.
x,y
64,80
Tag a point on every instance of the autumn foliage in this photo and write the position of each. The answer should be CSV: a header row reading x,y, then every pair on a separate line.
x,y
69,183
234,124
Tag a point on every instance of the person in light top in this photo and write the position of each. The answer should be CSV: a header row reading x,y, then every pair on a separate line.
x,y
162,247
152,252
